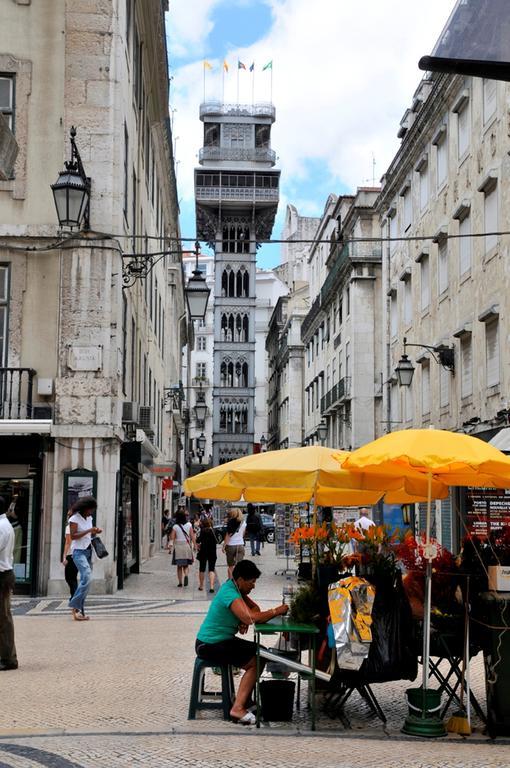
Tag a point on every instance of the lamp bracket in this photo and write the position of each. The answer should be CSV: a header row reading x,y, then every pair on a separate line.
x,y
137,266
442,354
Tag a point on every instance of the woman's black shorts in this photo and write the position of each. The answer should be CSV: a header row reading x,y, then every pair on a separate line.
x,y
210,561
235,651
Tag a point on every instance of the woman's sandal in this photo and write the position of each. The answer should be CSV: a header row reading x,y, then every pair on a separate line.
x,y
247,719
77,616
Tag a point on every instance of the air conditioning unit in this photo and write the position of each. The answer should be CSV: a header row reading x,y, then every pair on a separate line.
x,y
146,419
42,412
130,412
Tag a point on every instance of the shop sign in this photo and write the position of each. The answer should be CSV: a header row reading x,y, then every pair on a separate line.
x,y
487,510
162,470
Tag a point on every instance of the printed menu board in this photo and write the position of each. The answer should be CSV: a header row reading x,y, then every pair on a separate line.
x,y
487,510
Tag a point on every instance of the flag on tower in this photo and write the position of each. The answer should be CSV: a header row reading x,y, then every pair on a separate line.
x,y
240,65
269,65
225,66
252,66
207,65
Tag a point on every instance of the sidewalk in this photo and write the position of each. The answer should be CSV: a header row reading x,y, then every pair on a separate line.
x,y
128,671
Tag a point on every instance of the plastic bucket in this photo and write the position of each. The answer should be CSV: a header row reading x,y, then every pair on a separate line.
x,y
277,699
423,703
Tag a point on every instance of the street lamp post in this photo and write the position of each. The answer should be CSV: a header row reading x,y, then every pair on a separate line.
x,y
197,291
322,432
263,444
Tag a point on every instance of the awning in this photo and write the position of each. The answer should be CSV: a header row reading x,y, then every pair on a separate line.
x,y
502,440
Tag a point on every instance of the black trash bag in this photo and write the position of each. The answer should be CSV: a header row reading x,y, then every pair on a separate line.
x,y
393,651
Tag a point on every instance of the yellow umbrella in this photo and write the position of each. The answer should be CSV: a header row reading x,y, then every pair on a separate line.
x,y
452,458
299,474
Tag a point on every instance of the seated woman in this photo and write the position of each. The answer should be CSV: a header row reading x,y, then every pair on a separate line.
x,y
232,611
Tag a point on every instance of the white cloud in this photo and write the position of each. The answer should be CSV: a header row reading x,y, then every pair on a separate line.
x,y
344,73
188,28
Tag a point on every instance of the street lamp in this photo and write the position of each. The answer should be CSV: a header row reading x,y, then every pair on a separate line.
x,y
263,444
200,409
201,443
197,291
405,368
71,191
322,432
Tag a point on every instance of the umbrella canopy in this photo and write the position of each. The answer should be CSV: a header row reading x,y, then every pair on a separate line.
x,y
297,474
451,457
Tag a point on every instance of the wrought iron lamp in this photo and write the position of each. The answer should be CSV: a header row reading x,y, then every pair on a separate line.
x,y
71,191
443,355
322,432
197,291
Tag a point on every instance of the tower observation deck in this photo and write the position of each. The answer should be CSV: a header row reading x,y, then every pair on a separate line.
x,y
236,198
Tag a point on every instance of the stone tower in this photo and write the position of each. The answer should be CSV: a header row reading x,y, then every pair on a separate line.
x,y
236,196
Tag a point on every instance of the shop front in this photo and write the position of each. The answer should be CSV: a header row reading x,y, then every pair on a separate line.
x,y
128,508
20,486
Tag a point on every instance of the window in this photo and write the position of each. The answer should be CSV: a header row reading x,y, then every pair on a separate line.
x,y
126,172
425,282
464,128
393,232
394,403
408,300
466,366
444,387
491,218
424,185
425,388
407,209
7,99
393,315
441,159
201,343
492,353
4,312
134,211
465,246
348,359
489,99
408,404
201,371
442,265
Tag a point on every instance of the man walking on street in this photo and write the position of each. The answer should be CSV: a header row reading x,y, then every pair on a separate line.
x,y
8,658
363,523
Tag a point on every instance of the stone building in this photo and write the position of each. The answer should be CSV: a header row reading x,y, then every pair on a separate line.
x,y
86,356
236,194
447,280
342,334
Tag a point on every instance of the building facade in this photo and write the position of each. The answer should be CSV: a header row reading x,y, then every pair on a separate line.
x,y
236,193
87,350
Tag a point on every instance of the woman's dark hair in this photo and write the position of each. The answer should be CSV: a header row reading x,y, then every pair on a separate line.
x,y
84,504
205,523
251,509
180,517
245,569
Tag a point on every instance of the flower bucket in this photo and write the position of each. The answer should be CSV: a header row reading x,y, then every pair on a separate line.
x,y
423,718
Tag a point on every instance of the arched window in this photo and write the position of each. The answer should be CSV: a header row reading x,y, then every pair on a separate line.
x,y
246,283
231,328
230,375
224,283
224,327
223,417
223,375
239,328
239,283
244,375
231,283
245,327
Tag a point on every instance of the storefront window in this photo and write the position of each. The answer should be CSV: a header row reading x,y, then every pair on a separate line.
x,y
18,495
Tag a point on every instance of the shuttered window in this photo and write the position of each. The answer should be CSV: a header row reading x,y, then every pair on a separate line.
x,y
393,316
492,353
408,301
4,312
491,218
393,232
407,207
465,246
489,99
425,282
424,186
425,388
466,367
442,266
444,387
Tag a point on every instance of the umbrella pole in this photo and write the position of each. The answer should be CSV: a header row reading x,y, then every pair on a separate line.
x,y
427,606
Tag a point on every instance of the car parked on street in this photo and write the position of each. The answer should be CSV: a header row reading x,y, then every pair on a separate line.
x,y
267,522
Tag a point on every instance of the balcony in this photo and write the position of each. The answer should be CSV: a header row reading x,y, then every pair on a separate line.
x,y
237,194
213,108
255,155
16,389
336,396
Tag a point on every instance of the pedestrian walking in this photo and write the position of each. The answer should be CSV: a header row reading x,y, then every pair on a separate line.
x,y
82,530
70,569
206,556
254,529
182,544
8,657
166,527
363,523
233,545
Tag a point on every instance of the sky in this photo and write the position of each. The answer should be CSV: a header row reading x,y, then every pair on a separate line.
x,y
343,75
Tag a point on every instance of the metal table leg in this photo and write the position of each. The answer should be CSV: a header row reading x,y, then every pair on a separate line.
x,y
257,683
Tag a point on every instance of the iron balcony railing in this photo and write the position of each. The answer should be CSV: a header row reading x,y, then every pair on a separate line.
x,y
336,395
256,154
16,389
246,194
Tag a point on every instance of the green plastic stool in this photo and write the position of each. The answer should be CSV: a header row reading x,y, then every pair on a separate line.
x,y
220,699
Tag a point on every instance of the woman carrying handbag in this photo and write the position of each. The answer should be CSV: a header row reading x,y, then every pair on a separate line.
x,y
82,530
182,545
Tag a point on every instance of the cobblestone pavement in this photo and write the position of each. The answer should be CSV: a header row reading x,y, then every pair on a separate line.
x,y
114,692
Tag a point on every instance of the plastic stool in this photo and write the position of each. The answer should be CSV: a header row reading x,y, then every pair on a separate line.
x,y
198,691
